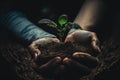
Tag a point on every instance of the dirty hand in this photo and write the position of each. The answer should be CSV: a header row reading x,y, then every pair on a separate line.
x,y
83,36
33,47
81,62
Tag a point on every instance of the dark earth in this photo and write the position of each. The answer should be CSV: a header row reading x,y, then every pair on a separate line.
x,y
25,68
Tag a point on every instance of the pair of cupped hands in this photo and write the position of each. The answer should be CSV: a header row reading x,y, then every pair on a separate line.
x,y
79,36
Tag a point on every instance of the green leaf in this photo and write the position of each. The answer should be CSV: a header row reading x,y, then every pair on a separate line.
x,y
48,22
62,20
52,25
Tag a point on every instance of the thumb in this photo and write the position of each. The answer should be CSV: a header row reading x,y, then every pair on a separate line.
x,y
95,43
34,51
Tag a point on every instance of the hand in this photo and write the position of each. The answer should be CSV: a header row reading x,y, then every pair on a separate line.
x,y
33,47
83,62
83,36
80,63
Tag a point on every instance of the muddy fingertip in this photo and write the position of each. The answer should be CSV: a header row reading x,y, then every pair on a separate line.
x,y
80,54
66,60
58,58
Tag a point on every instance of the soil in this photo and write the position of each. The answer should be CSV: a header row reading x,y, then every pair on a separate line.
x,y
27,69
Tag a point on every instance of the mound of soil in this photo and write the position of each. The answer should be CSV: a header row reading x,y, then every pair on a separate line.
x,y
27,69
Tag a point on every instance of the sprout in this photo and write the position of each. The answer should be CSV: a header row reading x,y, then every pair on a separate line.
x,y
63,19
48,22
63,27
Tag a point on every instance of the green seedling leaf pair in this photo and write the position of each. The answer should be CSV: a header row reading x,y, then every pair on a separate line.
x,y
63,19
62,27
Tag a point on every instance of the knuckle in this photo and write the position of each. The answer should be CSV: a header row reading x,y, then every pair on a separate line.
x,y
93,34
66,60
55,40
31,45
58,58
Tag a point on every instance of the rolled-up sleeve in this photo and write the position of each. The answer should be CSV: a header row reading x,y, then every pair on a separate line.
x,y
22,28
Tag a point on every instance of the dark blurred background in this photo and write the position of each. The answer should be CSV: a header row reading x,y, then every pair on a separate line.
x,y
52,9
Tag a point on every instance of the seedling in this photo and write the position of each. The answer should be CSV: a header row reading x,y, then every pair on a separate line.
x,y
62,27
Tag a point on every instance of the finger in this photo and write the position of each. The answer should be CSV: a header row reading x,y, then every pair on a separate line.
x,y
95,42
66,40
85,59
56,40
67,61
80,36
45,41
80,68
72,64
35,51
50,64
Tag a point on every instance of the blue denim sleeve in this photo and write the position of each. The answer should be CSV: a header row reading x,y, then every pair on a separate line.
x,y
17,23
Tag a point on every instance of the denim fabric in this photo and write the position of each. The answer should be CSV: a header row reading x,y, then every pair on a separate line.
x,y
17,23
